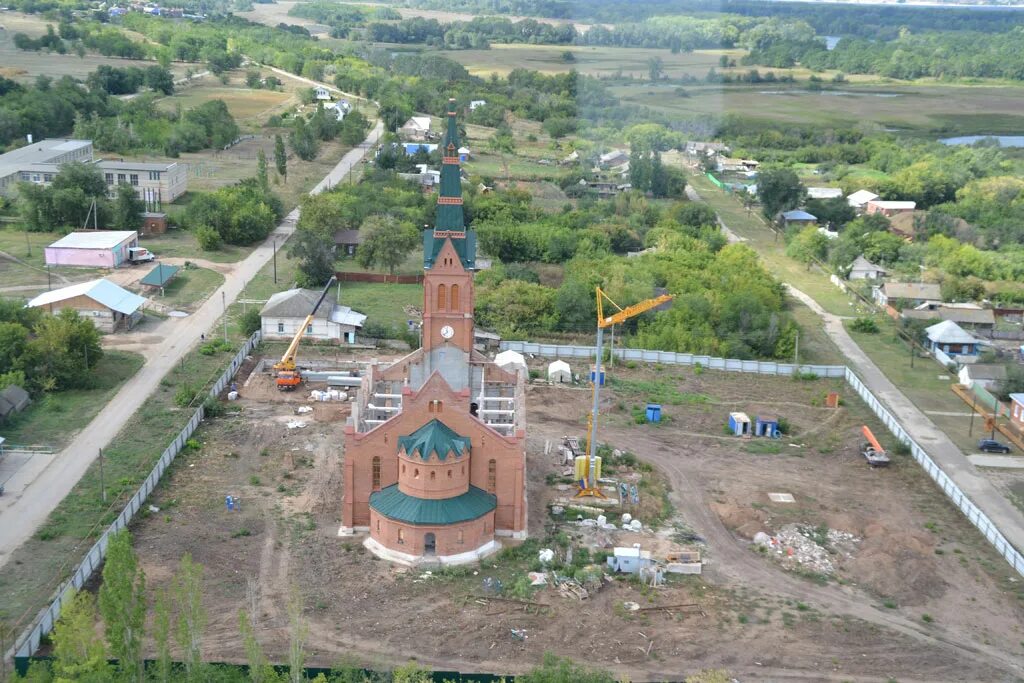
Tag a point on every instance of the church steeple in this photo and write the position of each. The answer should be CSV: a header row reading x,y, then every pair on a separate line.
x,y
449,221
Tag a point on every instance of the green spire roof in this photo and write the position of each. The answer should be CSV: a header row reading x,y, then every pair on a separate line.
x,y
449,220
434,437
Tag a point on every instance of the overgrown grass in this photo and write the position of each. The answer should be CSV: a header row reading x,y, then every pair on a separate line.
x,y
657,391
38,566
189,288
52,420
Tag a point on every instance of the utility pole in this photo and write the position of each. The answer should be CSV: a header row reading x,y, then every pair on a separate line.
x,y
974,409
103,488
48,285
28,245
224,303
796,353
275,260
611,349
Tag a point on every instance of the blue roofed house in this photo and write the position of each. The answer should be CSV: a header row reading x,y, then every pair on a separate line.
x,y
109,306
949,339
798,218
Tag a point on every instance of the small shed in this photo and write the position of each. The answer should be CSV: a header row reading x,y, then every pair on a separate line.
x,y
799,218
559,372
862,269
13,399
154,223
767,425
322,94
630,560
512,361
347,241
464,154
739,424
159,276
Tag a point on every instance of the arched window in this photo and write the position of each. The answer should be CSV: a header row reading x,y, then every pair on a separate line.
x,y
449,474
433,475
401,536
375,467
461,538
442,294
378,526
455,304
403,468
416,473
492,475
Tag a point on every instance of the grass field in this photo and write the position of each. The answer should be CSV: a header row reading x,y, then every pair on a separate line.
x,y
936,108
189,288
180,243
243,103
52,420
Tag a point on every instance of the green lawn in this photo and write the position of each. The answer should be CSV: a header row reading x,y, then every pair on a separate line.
x,y
189,288
178,243
38,566
52,420
382,303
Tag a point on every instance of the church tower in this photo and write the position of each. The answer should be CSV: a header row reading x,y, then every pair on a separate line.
x,y
449,258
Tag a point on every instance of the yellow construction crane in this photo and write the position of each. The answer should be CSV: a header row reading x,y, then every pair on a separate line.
x,y
288,375
589,486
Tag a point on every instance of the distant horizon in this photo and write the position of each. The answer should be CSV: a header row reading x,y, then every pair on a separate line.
x,y
905,3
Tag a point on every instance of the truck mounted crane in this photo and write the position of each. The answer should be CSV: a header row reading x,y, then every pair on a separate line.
x,y
288,374
589,486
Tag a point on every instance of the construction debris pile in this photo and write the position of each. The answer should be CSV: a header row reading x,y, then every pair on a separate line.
x,y
810,548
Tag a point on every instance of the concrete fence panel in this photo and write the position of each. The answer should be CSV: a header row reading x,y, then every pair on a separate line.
x,y
28,641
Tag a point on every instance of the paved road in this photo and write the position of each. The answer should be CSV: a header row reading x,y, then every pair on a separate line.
x,y
36,489
942,450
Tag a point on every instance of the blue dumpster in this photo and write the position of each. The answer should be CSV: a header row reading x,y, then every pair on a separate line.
x,y
654,412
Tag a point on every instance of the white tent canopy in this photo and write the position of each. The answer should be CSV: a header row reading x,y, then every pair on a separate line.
x,y
512,361
559,371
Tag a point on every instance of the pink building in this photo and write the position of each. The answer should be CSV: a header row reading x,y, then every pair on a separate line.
x,y
92,248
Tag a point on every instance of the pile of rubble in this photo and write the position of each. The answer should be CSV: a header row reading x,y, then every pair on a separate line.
x,y
797,546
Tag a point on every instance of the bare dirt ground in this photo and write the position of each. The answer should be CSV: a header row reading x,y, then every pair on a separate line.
x,y
920,595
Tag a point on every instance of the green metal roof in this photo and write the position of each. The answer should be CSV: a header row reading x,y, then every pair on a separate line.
x,y
159,276
449,218
434,437
396,505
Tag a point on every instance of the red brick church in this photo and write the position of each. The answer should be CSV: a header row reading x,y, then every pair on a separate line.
x,y
435,447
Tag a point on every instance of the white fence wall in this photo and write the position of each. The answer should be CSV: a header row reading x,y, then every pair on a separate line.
x,y
671,358
959,498
28,642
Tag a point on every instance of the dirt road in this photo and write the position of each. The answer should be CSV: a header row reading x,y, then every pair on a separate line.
x,y
940,447
36,489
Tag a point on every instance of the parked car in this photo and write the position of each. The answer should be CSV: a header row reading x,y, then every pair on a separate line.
x,y
992,446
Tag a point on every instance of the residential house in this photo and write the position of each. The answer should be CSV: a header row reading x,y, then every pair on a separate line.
x,y
952,340
347,241
1017,410
986,375
322,94
862,269
798,218
913,293
416,128
705,149
969,316
474,104
612,158
464,154
340,108
860,198
109,306
824,193
888,208
285,311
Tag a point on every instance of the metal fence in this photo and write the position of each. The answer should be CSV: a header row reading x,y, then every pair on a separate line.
x,y
959,498
28,642
671,358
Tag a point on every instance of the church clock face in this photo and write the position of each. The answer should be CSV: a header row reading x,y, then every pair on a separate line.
x,y
447,332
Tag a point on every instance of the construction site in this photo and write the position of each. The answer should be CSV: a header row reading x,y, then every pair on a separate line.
x,y
809,557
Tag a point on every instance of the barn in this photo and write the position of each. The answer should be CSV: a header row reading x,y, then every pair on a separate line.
x,y
108,306
92,248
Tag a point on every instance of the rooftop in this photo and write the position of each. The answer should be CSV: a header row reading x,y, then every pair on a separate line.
x,y
295,303
824,192
121,165
886,204
39,153
94,239
861,263
402,507
1019,398
986,371
160,276
798,215
948,332
434,437
912,290
101,291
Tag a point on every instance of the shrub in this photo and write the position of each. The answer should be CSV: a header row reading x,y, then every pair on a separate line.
x,y
185,394
865,325
251,321
212,407
208,238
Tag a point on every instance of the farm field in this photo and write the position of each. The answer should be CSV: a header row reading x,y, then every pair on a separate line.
x,y
903,551
24,66
964,110
243,103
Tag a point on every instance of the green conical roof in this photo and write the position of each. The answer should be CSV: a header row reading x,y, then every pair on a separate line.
x,y
434,437
449,220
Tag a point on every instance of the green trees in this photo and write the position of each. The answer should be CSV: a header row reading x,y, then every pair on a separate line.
x,y
808,246
191,616
46,353
354,128
302,140
127,208
280,157
122,601
79,652
778,189
65,203
316,257
239,214
386,242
